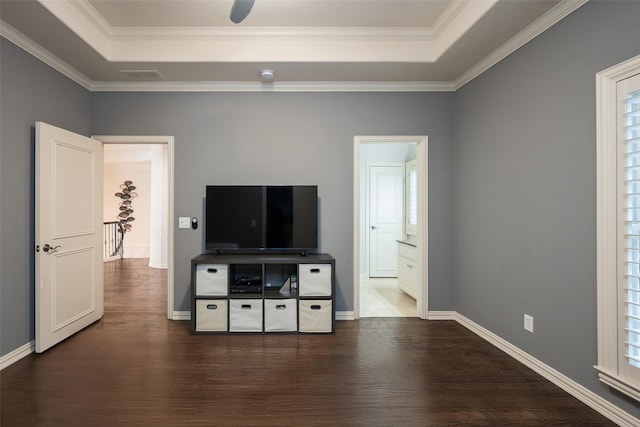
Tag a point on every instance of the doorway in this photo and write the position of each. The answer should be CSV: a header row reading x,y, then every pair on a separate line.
x,y
370,150
154,156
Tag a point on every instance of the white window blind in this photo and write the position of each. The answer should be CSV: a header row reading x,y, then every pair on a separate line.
x,y
618,226
630,286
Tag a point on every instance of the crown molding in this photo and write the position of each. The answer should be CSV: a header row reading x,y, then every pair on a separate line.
x,y
288,44
94,17
288,33
28,45
556,14
546,21
448,16
272,87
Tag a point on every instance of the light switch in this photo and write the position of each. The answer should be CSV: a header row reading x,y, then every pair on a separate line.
x,y
184,222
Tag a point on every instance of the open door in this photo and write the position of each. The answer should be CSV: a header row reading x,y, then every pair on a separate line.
x,y
69,276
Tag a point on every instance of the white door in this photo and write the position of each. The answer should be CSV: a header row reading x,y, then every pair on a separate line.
x,y
386,191
69,276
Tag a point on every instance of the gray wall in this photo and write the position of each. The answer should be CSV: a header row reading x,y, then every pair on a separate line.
x,y
524,151
525,191
31,91
300,138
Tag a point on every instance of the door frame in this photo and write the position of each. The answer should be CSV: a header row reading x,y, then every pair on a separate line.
x,y
422,150
169,142
367,225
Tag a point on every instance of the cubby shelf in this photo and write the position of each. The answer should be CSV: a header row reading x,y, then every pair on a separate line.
x,y
265,293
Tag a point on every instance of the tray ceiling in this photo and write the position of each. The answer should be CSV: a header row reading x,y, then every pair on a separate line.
x,y
415,44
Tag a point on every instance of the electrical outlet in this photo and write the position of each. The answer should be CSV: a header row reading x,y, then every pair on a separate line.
x,y
528,323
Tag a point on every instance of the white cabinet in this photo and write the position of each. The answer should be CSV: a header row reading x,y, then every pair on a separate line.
x,y
407,271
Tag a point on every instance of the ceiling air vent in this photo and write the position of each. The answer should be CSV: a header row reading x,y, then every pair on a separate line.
x,y
142,74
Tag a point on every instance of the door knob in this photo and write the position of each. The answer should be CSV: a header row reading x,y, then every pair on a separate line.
x,y
48,247
373,227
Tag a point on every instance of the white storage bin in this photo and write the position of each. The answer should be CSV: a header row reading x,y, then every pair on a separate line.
x,y
280,315
212,279
245,315
211,315
316,315
314,280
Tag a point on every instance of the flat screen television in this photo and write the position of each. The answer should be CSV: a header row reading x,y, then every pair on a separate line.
x,y
261,218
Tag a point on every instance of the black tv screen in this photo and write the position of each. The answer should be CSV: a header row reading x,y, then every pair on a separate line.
x,y
261,217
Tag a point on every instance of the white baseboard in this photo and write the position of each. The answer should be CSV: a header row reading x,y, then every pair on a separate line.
x,y
17,354
181,315
345,315
442,315
578,391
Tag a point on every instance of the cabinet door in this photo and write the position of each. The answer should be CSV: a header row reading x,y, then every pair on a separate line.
x,y
407,277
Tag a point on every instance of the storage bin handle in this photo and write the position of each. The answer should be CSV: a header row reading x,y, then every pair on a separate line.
x,y
281,306
314,270
212,270
315,307
212,306
246,306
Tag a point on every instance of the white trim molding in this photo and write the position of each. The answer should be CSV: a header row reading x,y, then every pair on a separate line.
x,y
39,52
80,15
442,315
167,140
345,315
607,223
284,44
284,86
546,21
422,153
17,354
181,315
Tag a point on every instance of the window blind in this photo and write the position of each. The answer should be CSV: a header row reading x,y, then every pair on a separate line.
x,y
632,229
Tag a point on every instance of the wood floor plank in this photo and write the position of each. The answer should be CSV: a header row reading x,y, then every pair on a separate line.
x,y
136,368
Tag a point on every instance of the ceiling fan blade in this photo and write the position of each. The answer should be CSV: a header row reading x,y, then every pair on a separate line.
x,y
240,10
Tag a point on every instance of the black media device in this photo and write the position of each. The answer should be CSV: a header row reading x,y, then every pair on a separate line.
x,y
246,284
258,218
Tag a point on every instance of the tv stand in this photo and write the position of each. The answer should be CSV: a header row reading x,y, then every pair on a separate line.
x,y
262,293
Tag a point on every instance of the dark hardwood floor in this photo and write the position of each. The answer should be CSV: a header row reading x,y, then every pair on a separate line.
x,y
136,368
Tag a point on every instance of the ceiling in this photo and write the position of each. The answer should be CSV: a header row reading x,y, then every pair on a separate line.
x,y
309,44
